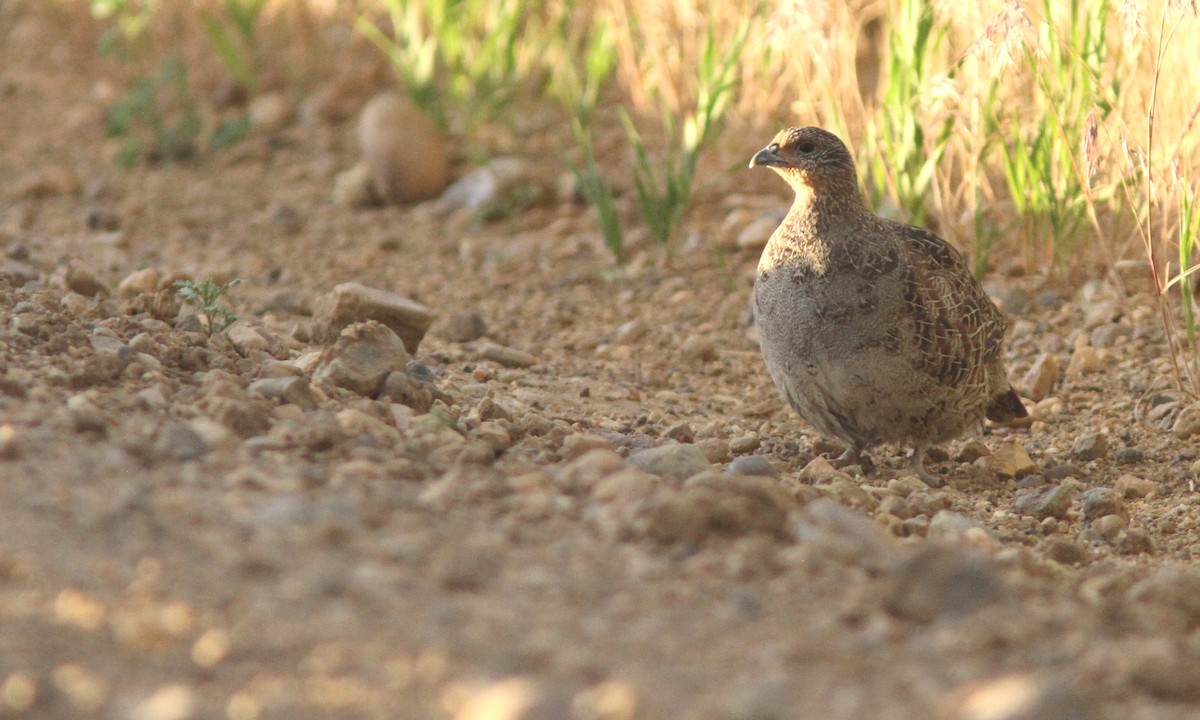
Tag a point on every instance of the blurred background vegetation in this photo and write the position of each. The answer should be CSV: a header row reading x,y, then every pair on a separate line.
x,y
1059,135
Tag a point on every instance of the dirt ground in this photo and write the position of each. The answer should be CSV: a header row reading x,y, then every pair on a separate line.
x,y
176,542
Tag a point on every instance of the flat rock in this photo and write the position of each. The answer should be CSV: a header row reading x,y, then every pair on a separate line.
x,y
351,302
361,358
1092,446
1039,380
752,465
939,583
507,356
462,327
1042,503
1011,461
1132,487
295,390
674,460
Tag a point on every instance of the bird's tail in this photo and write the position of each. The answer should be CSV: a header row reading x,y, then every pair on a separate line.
x,y
1005,407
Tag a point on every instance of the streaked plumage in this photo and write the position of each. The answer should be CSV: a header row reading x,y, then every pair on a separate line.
x,y
875,331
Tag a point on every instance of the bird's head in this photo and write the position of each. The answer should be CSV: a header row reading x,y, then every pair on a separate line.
x,y
809,158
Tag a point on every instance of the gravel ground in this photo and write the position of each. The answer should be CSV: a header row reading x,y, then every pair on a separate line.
x,y
576,496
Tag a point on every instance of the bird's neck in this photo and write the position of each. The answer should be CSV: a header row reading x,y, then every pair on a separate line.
x,y
819,216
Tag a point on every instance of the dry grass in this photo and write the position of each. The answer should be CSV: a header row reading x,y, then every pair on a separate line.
x,y
1114,118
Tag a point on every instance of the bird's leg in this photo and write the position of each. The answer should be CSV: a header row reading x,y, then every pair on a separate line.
x,y
916,464
854,455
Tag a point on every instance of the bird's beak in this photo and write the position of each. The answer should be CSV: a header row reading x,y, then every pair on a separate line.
x,y
767,156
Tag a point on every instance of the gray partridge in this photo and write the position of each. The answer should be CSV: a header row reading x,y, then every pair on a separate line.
x,y
874,331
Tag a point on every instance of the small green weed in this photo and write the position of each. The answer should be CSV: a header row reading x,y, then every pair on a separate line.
x,y
206,298
578,89
457,59
126,20
157,117
665,196
904,159
236,38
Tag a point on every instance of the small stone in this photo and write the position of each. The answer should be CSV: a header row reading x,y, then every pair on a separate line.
x,y
101,220
10,442
827,447
1062,471
401,387
462,328
171,702
674,460
1109,527
1132,487
1041,503
1092,446
358,423
698,348
1067,552
407,154
1130,456
1039,381
361,358
351,302
748,442
578,444
18,692
943,583
1084,361
352,188
952,527
491,185
1133,541
83,280
681,433
971,451
508,357
1107,336
270,112
715,449
247,339
1164,668
1188,422
1010,461
819,472
755,235
291,389
1101,501
834,531
139,282
211,648
179,441
752,465
631,331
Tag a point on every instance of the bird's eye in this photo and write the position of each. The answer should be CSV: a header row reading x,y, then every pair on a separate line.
x,y
805,147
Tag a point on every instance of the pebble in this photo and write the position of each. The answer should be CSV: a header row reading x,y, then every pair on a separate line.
x,y
1092,446
752,465
1132,487
835,532
83,280
586,469
1164,668
179,441
715,449
487,186
361,358
1106,336
755,235
943,583
247,339
1187,424
1134,541
270,112
292,389
351,302
819,471
674,460
1061,471
1039,380
576,445
401,387
1084,361
511,699
356,422
971,451
462,327
681,432
352,188
1130,456
1101,501
716,505
951,527
1041,503
170,702
698,348
507,356
407,154
749,442
1010,461
1109,527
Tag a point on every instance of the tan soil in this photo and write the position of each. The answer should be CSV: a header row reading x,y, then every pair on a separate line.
x,y
295,563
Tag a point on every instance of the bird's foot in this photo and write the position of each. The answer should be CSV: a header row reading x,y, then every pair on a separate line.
x,y
916,466
854,456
